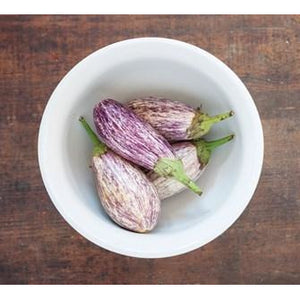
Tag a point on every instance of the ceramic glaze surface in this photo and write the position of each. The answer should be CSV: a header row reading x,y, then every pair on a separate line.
x,y
140,68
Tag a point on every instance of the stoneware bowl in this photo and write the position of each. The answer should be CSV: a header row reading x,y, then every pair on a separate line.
x,y
152,67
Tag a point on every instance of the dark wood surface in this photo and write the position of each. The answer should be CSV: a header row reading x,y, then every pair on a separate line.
x,y
38,246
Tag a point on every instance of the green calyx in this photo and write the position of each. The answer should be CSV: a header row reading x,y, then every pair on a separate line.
x,y
167,167
204,148
202,123
99,147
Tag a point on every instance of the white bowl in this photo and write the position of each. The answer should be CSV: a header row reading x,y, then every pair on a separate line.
x,y
145,67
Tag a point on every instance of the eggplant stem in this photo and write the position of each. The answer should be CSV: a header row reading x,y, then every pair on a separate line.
x,y
99,147
167,167
211,145
204,148
202,123
219,117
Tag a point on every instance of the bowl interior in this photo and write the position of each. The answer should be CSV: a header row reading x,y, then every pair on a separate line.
x,y
127,71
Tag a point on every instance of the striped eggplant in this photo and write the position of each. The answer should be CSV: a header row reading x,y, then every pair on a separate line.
x,y
125,192
174,120
195,156
132,138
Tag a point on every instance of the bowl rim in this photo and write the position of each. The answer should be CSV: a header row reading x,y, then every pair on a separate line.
x,y
196,244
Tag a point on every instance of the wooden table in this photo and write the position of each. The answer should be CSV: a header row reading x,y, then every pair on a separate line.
x,y
38,246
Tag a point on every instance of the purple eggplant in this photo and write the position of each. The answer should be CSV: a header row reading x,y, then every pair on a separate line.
x,y
174,120
125,192
132,138
195,156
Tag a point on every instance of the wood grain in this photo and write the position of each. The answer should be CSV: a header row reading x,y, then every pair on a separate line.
x,y
36,244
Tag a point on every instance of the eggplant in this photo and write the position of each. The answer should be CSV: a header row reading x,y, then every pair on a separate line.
x,y
195,156
135,140
175,120
125,192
